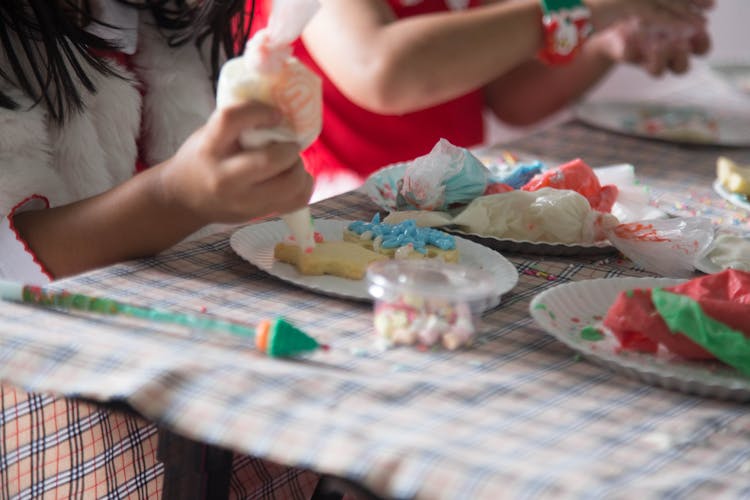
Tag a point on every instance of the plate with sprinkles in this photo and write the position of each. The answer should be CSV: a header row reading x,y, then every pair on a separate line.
x,y
680,123
573,314
736,199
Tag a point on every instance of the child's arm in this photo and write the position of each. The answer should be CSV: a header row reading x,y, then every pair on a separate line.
x,y
394,66
210,179
534,90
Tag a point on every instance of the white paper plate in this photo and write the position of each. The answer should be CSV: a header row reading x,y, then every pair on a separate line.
x,y
255,244
668,123
738,200
563,311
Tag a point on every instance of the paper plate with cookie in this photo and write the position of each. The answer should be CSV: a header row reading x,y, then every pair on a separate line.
x,y
338,263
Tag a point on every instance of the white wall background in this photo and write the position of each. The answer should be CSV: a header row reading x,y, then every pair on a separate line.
x,y
729,24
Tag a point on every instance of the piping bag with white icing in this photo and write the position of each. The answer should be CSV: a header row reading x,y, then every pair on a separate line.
x,y
268,72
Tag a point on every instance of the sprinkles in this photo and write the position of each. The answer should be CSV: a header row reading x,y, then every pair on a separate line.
x,y
539,274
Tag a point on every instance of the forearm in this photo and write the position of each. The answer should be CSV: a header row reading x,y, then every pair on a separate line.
x,y
132,220
209,179
533,90
397,67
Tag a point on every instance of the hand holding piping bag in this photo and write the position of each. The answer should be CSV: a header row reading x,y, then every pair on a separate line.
x,y
268,72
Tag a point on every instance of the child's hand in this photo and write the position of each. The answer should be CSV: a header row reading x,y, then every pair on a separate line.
x,y
669,48
657,47
682,9
607,12
216,180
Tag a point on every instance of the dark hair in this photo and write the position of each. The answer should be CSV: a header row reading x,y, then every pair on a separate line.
x,y
38,34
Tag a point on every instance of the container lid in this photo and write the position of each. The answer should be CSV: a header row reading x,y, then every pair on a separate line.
x,y
428,277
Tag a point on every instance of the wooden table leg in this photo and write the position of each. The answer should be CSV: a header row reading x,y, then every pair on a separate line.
x,y
196,471
335,488
193,470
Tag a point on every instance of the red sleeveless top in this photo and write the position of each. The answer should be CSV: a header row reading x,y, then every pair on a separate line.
x,y
360,142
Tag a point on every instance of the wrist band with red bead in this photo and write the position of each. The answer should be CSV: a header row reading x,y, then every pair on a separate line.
x,y
566,24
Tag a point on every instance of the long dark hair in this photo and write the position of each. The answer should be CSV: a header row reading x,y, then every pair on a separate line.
x,y
48,34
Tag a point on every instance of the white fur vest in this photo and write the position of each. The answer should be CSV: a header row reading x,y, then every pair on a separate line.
x,y
97,149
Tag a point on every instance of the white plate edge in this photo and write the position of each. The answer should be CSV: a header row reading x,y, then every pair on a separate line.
x,y
621,284
508,276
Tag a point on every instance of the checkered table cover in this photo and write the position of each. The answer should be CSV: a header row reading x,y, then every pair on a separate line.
x,y
517,416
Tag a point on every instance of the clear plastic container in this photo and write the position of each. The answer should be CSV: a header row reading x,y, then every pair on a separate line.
x,y
427,302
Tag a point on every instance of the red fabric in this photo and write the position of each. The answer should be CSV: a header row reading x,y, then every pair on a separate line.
x,y
360,141
724,296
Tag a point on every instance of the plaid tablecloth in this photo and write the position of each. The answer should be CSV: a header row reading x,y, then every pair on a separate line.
x,y
517,416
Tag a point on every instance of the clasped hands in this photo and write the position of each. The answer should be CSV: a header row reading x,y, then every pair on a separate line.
x,y
658,35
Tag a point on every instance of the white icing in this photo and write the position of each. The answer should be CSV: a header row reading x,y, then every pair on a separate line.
x,y
730,251
301,226
404,252
551,215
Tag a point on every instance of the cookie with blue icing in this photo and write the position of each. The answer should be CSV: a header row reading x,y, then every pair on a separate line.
x,y
404,240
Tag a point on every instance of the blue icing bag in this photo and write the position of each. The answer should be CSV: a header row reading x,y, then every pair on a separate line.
x,y
445,176
520,175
